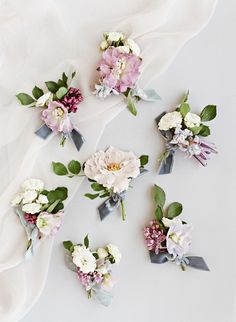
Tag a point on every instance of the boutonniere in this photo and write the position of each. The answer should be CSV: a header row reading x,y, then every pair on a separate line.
x,y
57,103
40,211
168,238
93,268
119,70
185,131
110,173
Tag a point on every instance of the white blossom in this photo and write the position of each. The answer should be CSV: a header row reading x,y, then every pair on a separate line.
x,y
49,224
29,196
115,252
84,259
31,208
17,199
102,253
42,199
104,45
192,120
170,120
33,184
114,36
44,100
131,44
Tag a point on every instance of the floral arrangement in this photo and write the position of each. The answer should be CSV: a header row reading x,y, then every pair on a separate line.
x,y
119,70
57,103
168,238
184,131
110,173
40,211
93,268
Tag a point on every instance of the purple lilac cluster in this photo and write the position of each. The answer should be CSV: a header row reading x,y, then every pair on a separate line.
x,y
87,278
154,237
72,99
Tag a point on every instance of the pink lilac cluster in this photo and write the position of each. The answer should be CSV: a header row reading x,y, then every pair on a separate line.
x,y
30,218
72,99
154,237
87,278
119,71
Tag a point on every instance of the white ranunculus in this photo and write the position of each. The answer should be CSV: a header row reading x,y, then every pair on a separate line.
x,y
44,100
170,120
42,199
31,208
113,168
17,199
102,253
192,120
84,259
48,224
130,43
178,238
33,184
115,252
104,45
123,49
114,36
29,196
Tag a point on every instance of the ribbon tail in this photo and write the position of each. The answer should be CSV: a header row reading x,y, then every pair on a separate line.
x,y
160,258
43,132
102,296
77,138
166,165
107,207
197,262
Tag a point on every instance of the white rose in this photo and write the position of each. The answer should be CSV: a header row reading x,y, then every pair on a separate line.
x,y
115,252
130,43
113,168
29,196
33,184
170,120
17,199
102,253
123,49
84,259
49,224
31,208
192,120
104,45
44,100
42,199
114,36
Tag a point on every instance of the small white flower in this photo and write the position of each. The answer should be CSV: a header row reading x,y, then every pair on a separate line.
x,y
102,91
113,168
104,45
33,184
167,222
42,199
115,252
31,208
29,196
84,259
44,100
49,224
170,120
192,120
130,43
102,253
178,238
108,282
114,36
102,270
123,49
17,199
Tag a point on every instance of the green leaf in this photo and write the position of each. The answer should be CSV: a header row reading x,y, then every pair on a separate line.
x,y
25,99
174,209
159,196
144,160
61,92
52,86
68,245
185,97
195,129
62,193
59,169
205,130
184,109
58,207
74,167
208,113
73,75
130,105
104,195
37,92
96,255
97,187
159,214
91,196
64,78
86,241
53,206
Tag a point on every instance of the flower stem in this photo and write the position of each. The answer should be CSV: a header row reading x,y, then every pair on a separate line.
x,y
122,209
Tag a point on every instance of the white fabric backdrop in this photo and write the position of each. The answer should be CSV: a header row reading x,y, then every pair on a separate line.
x,y
39,40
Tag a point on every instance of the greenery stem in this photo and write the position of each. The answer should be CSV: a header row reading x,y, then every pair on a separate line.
x,y
122,209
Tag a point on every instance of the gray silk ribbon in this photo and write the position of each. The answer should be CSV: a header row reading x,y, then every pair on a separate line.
x,y
44,131
167,163
110,204
192,261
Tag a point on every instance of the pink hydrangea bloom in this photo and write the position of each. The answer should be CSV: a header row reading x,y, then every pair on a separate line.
x,y
154,237
118,70
56,118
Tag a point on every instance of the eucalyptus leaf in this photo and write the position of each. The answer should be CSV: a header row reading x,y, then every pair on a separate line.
x,y
144,160
61,92
52,86
174,210
59,169
131,105
74,167
159,196
208,113
91,196
25,99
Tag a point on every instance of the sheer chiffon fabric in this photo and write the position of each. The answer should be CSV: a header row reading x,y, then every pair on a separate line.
x,y
38,41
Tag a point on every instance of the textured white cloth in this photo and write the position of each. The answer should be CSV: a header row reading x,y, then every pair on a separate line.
x,y
38,41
